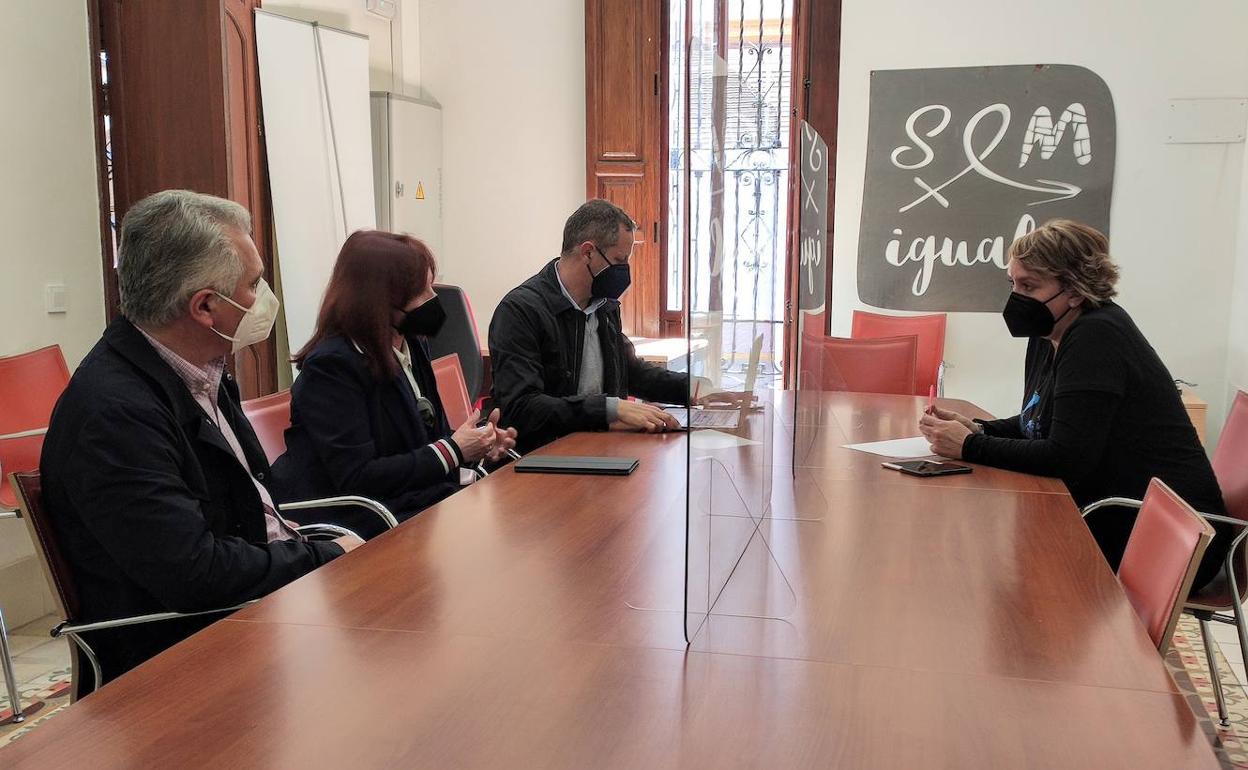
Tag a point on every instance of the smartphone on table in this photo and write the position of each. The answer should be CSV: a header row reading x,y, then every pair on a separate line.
x,y
927,468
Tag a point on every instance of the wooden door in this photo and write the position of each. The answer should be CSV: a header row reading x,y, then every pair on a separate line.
x,y
183,106
247,180
624,110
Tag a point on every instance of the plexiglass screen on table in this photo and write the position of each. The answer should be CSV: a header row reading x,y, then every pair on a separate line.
x,y
730,183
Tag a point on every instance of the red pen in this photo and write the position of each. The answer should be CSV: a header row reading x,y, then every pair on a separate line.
x,y
931,399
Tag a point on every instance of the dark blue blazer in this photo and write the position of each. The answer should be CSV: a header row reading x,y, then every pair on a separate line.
x,y
151,508
353,435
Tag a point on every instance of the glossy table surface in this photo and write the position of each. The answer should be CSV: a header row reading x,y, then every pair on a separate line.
x,y
537,621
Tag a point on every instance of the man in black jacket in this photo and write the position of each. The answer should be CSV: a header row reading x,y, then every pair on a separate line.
x,y
560,360
152,477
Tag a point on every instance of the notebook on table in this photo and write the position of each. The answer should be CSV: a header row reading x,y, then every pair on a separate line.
x,y
591,466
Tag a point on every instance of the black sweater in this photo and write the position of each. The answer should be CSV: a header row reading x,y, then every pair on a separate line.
x,y
1102,414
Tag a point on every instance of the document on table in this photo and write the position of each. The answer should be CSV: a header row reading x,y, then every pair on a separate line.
x,y
709,440
899,448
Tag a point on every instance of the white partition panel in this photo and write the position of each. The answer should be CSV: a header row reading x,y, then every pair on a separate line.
x,y
314,91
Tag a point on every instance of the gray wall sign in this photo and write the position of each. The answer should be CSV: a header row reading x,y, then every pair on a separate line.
x,y
812,222
961,161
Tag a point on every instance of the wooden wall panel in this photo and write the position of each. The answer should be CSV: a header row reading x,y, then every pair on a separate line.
x,y
620,37
629,194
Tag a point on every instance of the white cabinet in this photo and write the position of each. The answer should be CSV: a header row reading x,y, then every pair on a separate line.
x,y
407,164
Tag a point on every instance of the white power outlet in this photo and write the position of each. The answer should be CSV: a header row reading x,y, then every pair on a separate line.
x,y
55,298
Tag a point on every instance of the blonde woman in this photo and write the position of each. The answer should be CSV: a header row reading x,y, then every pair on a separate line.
x,y
1099,410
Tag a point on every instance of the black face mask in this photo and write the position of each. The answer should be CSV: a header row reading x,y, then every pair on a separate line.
x,y
1029,317
424,321
612,281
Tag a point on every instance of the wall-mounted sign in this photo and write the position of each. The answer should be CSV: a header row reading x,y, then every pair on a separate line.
x,y
961,161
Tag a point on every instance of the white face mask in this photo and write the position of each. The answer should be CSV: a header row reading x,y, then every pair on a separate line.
x,y
257,320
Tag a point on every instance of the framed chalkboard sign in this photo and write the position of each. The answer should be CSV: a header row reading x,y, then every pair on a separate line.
x,y
961,161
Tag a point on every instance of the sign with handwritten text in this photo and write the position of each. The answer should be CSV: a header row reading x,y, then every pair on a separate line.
x,y
961,161
812,224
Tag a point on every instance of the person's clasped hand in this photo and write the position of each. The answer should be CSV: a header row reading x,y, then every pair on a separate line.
x,y
475,443
946,431
505,439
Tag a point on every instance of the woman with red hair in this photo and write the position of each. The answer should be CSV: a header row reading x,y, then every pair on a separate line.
x,y
365,414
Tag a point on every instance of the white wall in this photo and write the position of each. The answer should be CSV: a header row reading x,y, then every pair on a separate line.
x,y
50,217
1175,207
511,81
1237,342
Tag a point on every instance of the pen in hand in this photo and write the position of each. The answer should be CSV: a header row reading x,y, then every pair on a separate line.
x,y
931,400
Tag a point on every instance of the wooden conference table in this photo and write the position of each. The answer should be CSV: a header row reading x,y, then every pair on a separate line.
x,y
536,621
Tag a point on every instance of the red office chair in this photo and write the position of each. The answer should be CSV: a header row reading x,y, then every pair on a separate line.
x,y
930,329
459,335
452,389
1223,598
1161,559
60,577
1228,592
18,453
30,384
270,417
885,365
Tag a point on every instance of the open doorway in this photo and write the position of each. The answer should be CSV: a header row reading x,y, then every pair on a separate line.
x,y
729,112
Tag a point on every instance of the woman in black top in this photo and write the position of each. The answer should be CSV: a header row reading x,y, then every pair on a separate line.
x,y
1099,411
365,414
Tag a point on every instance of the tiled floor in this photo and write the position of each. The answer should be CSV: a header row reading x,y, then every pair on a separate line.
x,y
36,654
1228,640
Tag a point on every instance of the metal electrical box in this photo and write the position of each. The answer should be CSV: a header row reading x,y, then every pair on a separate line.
x,y
407,166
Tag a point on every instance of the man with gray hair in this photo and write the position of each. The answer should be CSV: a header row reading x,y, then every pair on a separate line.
x,y
152,476
560,361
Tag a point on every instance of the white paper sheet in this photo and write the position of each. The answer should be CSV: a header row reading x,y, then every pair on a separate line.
x,y
900,448
710,440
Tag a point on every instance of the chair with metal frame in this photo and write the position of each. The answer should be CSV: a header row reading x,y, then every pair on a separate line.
x,y
1228,592
879,365
30,384
6,657
452,389
930,330
459,335
56,570
270,417
1161,558
18,452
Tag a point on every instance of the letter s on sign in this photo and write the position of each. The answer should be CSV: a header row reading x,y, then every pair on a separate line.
x,y
919,144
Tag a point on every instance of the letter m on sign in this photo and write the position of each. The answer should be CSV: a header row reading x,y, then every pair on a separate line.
x,y
1042,132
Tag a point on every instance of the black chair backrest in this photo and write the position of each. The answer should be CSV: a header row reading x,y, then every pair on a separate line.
x,y
459,335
